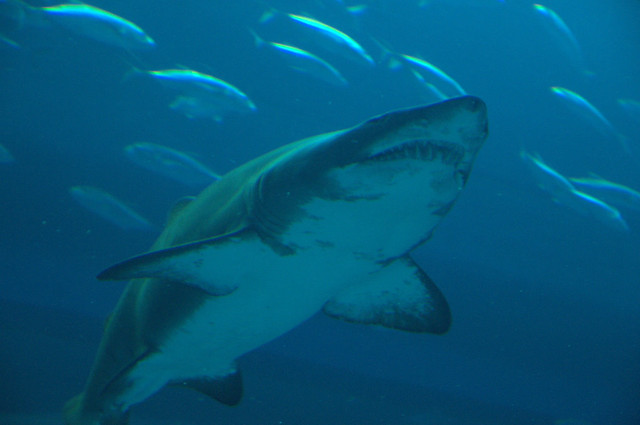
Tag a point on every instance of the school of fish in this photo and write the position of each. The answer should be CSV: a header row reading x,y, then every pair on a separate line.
x,y
319,48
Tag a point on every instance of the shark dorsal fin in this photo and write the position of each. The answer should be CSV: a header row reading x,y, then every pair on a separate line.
x,y
399,296
178,207
226,389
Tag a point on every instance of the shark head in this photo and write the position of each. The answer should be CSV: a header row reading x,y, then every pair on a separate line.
x,y
378,189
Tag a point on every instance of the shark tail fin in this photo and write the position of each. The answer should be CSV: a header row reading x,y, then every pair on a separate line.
x,y
73,411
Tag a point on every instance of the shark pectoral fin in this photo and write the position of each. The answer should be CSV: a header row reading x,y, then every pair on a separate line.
x,y
226,390
196,264
399,296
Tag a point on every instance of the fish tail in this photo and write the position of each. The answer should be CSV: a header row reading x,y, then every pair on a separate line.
x,y
624,142
16,11
631,153
257,40
9,42
388,56
588,74
268,16
26,15
132,72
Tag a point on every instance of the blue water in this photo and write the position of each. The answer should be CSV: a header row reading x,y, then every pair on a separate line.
x,y
545,301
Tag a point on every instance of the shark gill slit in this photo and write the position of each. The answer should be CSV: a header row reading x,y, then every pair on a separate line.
x,y
266,224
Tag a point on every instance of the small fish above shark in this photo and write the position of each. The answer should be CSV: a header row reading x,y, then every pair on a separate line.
x,y
84,20
323,224
109,208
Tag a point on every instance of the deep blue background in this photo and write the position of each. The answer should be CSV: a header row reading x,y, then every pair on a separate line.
x,y
546,303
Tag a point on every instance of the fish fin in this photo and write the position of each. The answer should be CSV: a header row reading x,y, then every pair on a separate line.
x,y
388,55
257,40
132,72
9,42
75,414
624,142
179,101
199,264
178,207
268,15
227,389
358,9
399,296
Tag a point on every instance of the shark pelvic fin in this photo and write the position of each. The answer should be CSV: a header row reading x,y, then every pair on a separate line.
x,y
226,390
190,264
399,296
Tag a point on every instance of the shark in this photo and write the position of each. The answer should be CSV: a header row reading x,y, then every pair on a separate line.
x,y
324,224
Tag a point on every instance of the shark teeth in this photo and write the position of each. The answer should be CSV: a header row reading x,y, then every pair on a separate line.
x,y
423,150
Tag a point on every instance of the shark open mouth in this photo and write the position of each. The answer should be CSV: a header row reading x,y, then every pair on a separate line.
x,y
423,150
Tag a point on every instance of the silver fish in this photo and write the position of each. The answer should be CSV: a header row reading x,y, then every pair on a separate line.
x,y
564,193
170,163
608,191
109,208
326,37
98,24
200,95
434,75
583,109
433,79
563,36
593,207
304,62
548,179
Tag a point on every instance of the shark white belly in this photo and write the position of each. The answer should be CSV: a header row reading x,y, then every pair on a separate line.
x,y
323,224
223,328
